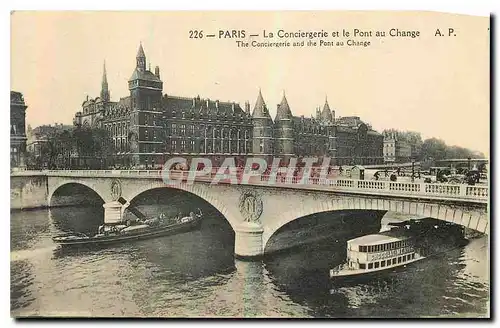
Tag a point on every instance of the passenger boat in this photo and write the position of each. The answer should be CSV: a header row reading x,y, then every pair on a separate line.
x,y
402,245
143,229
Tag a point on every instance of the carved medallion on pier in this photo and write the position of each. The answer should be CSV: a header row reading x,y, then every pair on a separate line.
x,y
251,206
116,189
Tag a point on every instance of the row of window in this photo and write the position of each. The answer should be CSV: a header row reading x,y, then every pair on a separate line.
x,y
383,263
146,104
384,247
312,130
117,129
207,131
209,147
216,116
121,145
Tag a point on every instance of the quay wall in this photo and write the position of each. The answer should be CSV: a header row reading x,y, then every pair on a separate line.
x,y
32,192
28,192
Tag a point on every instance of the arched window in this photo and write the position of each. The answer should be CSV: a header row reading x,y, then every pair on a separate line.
x,y
202,146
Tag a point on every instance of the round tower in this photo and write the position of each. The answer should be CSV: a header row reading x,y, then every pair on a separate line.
x,y
283,130
262,129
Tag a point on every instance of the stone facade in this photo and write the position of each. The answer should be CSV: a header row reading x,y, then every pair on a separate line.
x,y
148,127
17,130
396,148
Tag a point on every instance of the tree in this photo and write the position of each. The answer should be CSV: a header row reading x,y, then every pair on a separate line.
x,y
433,148
103,145
94,146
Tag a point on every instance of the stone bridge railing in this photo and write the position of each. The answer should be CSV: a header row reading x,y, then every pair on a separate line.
x,y
457,192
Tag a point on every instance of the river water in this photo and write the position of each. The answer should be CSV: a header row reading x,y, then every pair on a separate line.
x,y
196,275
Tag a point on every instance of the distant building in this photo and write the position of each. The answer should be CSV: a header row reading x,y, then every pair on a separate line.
x,y
396,148
148,127
17,130
357,142
39,136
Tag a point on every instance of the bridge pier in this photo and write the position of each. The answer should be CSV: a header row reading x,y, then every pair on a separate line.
x,y
112,212
248,240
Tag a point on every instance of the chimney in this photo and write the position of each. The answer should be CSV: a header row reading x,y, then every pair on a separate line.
x,y
194,102
208,102
247,107
157,71
217,104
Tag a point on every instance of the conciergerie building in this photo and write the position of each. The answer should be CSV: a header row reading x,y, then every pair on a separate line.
x,y
148,127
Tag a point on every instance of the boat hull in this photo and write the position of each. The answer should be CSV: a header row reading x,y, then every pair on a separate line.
x,y
149,234
365,276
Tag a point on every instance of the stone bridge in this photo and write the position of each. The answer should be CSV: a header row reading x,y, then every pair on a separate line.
x,y
256,210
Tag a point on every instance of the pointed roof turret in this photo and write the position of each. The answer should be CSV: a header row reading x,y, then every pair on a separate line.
x,y
326,114
104,84
260,110
104,77
140,52
140,59
283,112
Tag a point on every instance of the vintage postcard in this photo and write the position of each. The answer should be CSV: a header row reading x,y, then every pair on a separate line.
x,y
306,164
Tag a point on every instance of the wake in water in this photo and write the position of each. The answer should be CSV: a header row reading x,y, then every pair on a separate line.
x,y
25,254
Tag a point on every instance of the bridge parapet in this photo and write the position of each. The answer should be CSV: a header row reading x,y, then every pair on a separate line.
x,y
458,192
462,204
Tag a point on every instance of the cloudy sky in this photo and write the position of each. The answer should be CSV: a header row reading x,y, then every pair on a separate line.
x,y
436,85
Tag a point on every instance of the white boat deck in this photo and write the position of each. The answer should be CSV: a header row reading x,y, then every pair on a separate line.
x,y
345,271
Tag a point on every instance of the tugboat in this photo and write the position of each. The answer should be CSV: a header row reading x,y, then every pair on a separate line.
x,y
142,228
403,244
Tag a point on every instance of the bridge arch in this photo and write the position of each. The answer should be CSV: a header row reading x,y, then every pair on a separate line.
x,y
90,187
472,219
198,190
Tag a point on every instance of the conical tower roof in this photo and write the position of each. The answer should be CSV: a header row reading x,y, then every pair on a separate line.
x,y
104,84
284,112
260,109
326,114
104,77
140,52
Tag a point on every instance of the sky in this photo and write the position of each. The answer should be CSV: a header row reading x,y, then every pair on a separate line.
x,y
436,85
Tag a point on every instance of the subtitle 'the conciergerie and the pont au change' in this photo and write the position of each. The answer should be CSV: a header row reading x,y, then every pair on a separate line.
x,y
283,38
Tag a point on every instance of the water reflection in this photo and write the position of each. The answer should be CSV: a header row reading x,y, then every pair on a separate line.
x,y
83,219
195,274
21,277
28,229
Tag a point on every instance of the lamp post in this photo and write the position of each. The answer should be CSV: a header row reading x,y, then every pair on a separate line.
x,y
412,170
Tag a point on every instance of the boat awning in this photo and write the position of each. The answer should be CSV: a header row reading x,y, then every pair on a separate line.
x,y
376,239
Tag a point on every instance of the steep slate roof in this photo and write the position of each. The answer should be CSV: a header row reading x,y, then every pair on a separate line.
x,y
175,103
283,112
146,75
124,102
260,110
305,121
140,52
326,114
